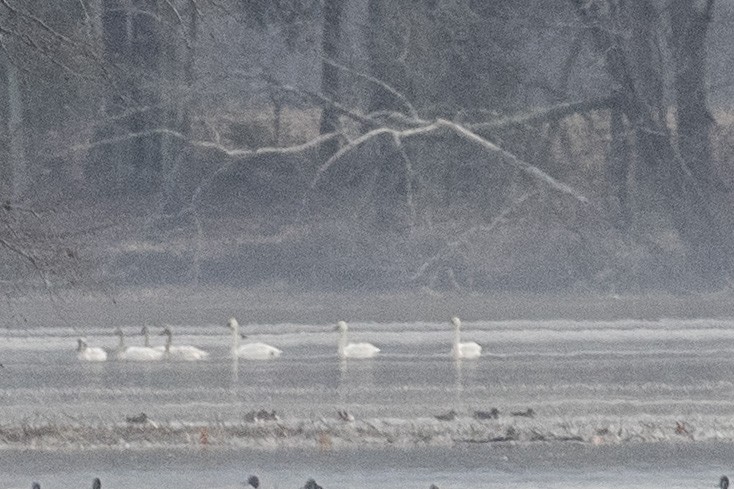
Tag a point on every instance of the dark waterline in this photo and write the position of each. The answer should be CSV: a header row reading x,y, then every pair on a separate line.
x,y
465,466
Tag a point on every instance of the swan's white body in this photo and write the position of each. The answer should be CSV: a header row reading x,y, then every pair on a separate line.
x,y
353,350
136,353
180,352
467,349
250,351
90,353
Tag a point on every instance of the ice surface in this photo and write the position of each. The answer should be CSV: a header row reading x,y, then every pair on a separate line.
x,y
596,382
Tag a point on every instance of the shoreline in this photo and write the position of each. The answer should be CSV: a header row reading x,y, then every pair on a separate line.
x,y
278,305
333,435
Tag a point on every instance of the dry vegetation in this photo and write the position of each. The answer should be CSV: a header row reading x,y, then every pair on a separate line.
x,y
327,434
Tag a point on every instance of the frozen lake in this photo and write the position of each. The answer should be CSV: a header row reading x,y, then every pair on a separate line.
x,y
558,368
651,401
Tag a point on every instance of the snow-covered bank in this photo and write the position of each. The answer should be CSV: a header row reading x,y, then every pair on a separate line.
x,y
333,434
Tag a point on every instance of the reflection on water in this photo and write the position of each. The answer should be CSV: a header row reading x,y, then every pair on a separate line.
x,y
235,370
560,369
390,385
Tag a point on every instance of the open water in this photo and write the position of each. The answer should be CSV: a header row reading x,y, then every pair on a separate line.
x,y
582,373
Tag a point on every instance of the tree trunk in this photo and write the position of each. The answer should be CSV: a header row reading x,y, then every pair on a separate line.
x,y
18,167
665,197
689,26
689,22
384,50
330,41
132,40
618,167
177,75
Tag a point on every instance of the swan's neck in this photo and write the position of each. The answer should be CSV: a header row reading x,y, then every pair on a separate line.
x,y
235,338
169,340
146,337
121,343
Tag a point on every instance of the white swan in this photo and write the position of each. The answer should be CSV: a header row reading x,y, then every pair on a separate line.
x,y
353,350
250,351
136,353
90,353
180,352
468,349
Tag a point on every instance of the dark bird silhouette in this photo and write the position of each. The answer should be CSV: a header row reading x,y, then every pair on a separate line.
x,y
311,484
35,485
724,482
493,413
96,483
528,413
433,486
450,416
344,415
139,419
253,481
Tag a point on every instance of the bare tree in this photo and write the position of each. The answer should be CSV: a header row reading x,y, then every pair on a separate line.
x,y
667,192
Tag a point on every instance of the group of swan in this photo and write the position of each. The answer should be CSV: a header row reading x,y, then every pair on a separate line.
x,y
459,349
250,351
145,353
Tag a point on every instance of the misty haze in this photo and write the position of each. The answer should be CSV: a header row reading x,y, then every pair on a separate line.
x,y
329,244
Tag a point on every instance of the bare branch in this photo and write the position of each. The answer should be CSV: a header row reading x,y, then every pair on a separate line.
x,y
406,103
87,19
408,176
187,41
28,258
442,124
513,160
175,11
550,114
322,99
207,144
463,240
195,5
39,22
45,52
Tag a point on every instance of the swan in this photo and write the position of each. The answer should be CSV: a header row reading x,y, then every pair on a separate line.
x,y
90,353
96,483
181,352
250,351
136,353
724,482
353,350
468,349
